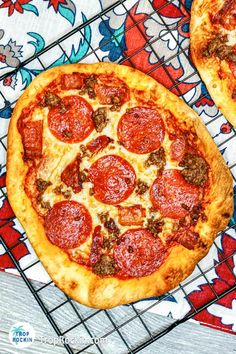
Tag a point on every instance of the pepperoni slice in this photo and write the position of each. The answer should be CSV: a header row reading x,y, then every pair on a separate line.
x,y
72,81
113,178
111,90
73,125
98,143
186,238
172,195
131,215
71,175
141,130
139,253
68,224
177,148
32,135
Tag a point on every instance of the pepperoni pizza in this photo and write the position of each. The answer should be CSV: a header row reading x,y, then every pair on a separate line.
x,y
118,184
213,50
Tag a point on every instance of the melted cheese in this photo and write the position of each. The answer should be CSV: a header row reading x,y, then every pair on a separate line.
x,y
57,155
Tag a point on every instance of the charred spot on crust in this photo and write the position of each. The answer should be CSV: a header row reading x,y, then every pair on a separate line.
x,y
105,266
226,215
156,158
195,169
73,285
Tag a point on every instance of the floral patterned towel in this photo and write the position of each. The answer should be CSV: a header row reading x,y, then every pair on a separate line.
x,y
132,33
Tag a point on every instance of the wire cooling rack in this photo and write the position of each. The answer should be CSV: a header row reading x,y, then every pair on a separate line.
x,y
110,324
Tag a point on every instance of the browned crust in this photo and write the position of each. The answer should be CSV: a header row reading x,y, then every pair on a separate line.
x,y
78,282
201,30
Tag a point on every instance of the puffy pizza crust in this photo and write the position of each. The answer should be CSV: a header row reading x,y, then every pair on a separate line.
x,y
77,281
201,30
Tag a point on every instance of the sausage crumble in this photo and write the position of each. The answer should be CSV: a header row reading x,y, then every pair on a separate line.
x,y
195,169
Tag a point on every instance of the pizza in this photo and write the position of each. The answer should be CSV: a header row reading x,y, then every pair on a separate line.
x,y
117,182
213,50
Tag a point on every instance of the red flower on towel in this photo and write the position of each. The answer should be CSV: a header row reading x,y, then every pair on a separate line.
x,y
55,3
14,5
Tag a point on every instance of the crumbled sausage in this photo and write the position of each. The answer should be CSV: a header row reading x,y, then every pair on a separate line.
x,y
107,243
58,190
141,187
195,214
104,216
213,45
42,185
51,100
116,104
218,47
111,227
84,151
90,81
91,191
105,266
115,108
88,88
226,52
67,194
42,203
46,205
115,100
195,169
100,119
157,158
82,177
154,226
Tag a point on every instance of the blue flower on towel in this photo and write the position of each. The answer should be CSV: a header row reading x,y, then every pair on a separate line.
x,y
113,40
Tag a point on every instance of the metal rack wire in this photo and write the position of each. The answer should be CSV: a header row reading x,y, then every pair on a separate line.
x,y
82,316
